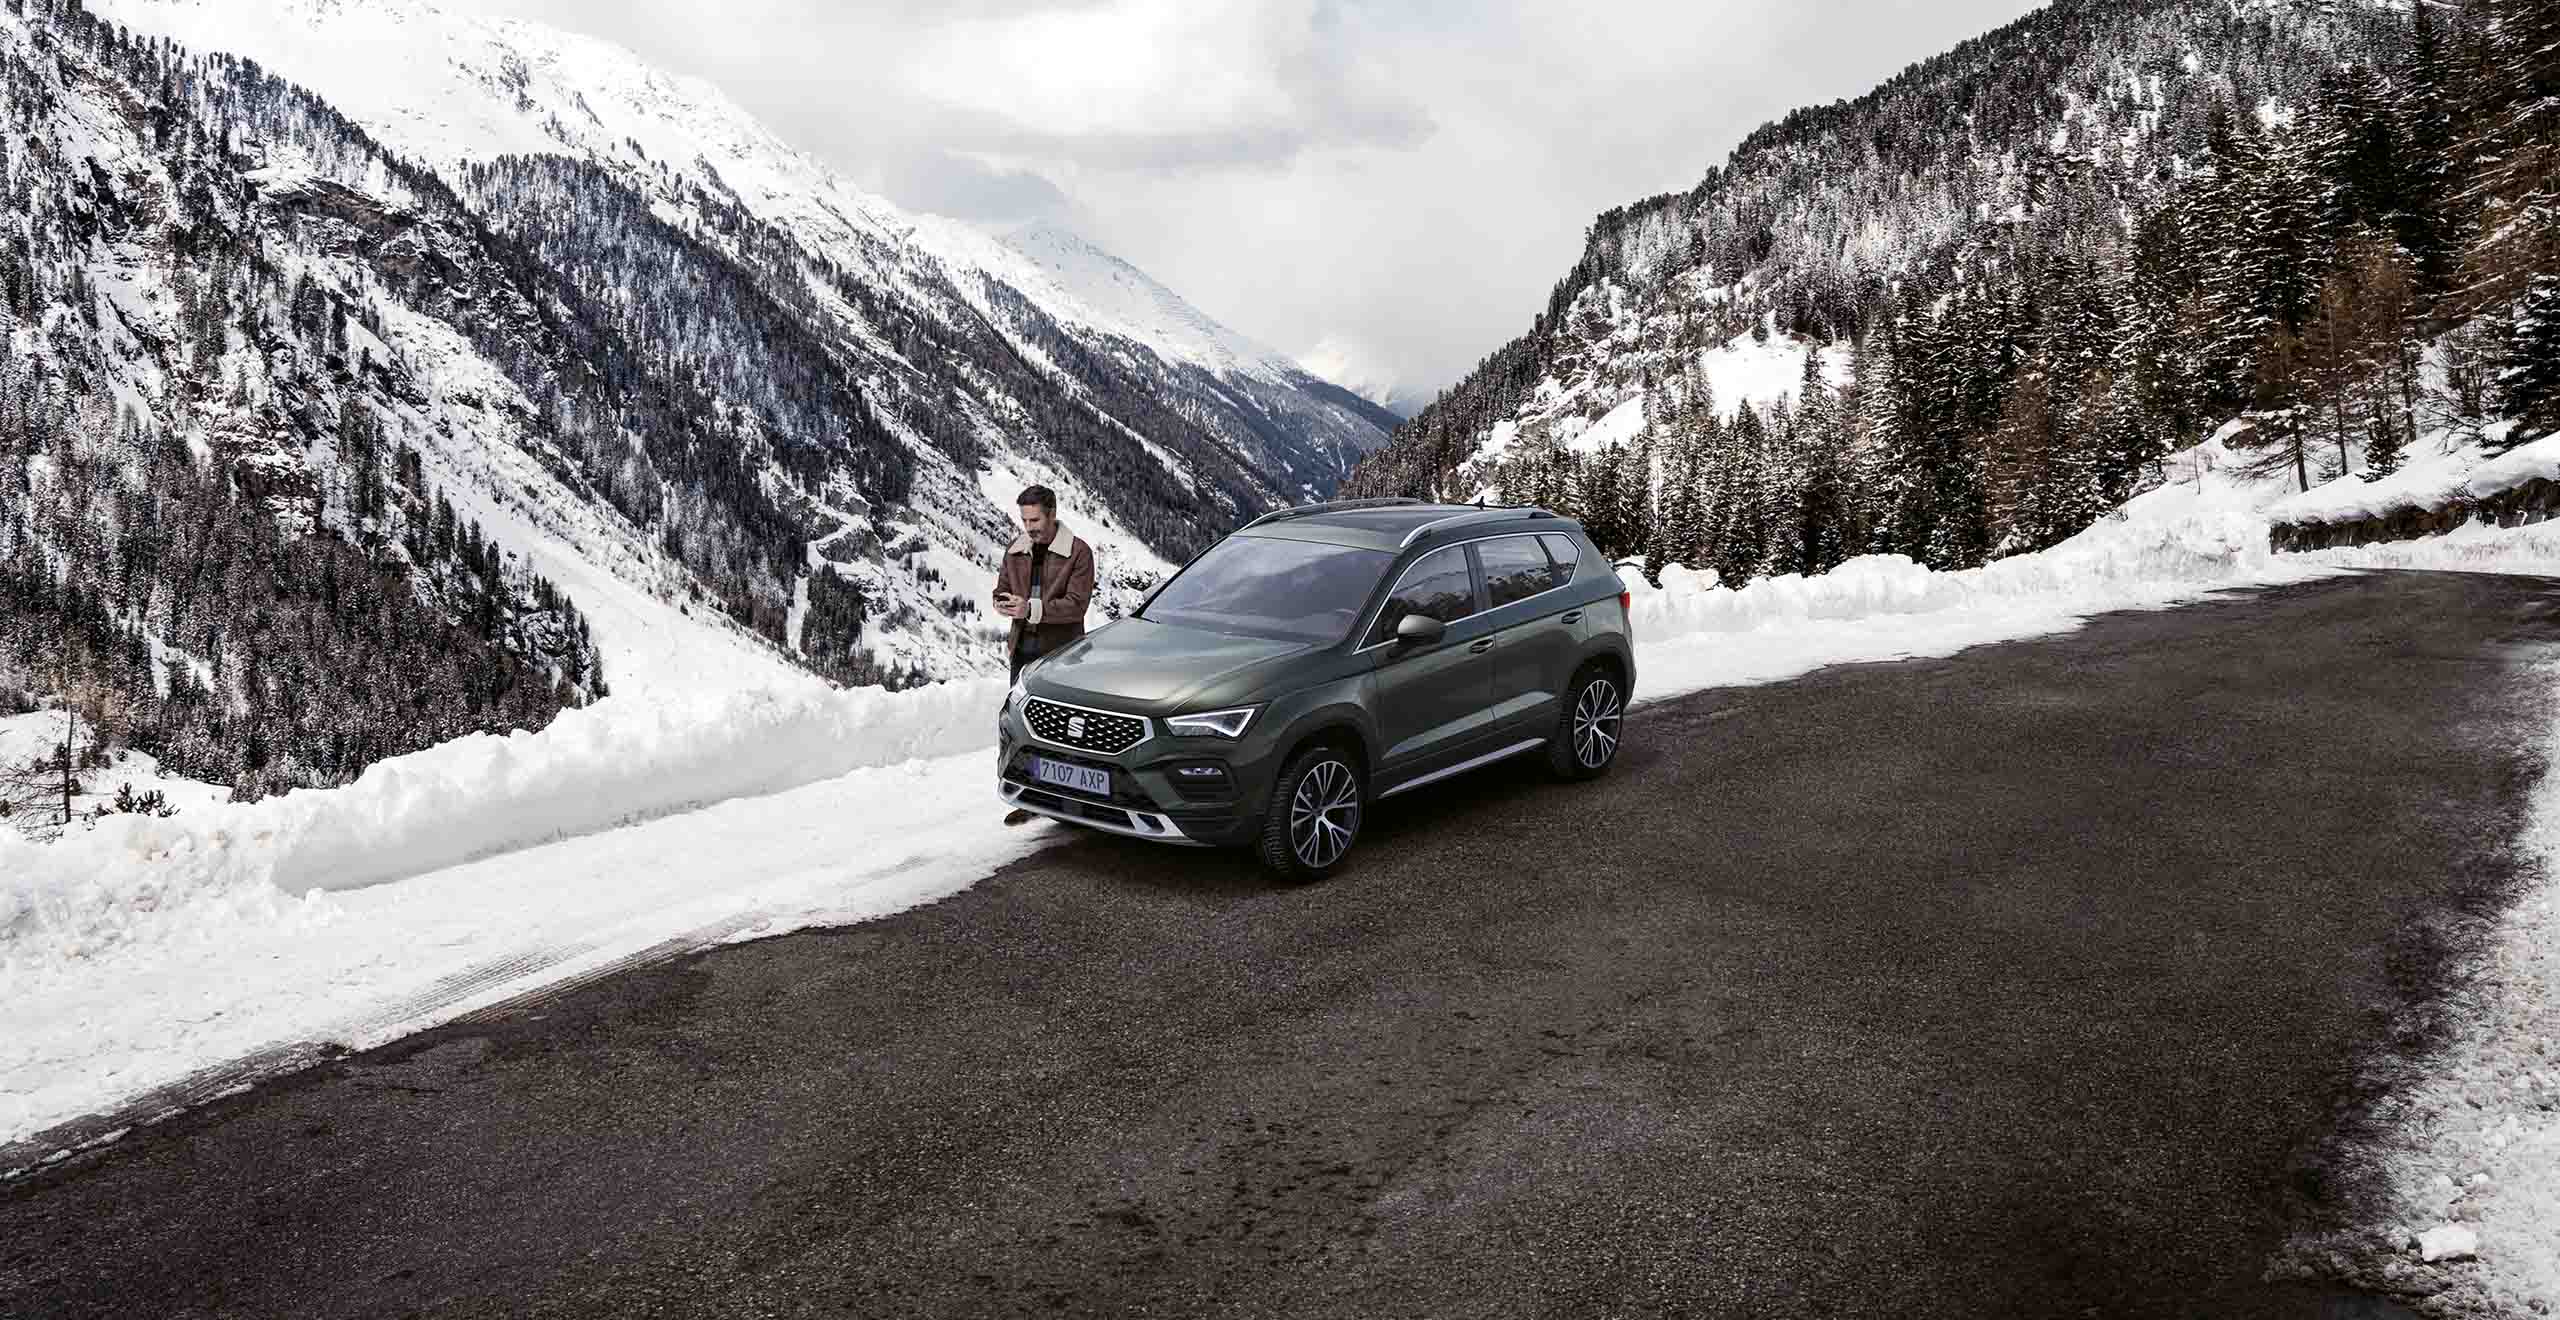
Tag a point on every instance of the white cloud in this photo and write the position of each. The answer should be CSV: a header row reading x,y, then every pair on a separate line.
x,y
1162,84
1411,176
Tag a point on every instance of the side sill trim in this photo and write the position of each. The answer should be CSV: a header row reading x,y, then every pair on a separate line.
x,y
1464,766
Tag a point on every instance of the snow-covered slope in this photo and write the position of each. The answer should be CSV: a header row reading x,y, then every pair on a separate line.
x,y
2036,242
1234,426
280,496
447,87
1087,286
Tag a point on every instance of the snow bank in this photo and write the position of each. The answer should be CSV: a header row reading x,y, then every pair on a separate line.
x,y
2453,474
619,761
147,1028
2198,532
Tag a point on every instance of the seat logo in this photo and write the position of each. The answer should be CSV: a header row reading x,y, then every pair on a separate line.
x,y
1075,727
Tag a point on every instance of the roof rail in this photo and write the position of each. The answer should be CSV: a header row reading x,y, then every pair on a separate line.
x,y
1332,506
1481,513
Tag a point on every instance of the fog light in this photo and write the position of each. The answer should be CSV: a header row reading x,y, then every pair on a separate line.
x,y
1200,780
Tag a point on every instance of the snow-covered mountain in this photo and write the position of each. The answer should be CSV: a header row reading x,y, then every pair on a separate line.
x,y
2034,264
529,375
1064,337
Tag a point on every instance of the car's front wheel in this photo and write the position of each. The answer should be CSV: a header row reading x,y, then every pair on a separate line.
x,y
1591,725
1314,817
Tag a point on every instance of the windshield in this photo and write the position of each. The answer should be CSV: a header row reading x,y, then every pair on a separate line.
x,y
1266,587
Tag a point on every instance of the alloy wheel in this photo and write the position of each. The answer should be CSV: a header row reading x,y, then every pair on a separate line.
x,y
1324,814
1596,716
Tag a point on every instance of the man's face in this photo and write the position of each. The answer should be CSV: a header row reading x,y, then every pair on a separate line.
x,y
1036,521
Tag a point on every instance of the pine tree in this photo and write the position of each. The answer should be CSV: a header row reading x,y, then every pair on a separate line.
x,y
1597,501
2423,117
2529,386
2382,450
2515,141
1742,531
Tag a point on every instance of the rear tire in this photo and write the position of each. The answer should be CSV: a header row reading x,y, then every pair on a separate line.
x,y
1591,725
1314,815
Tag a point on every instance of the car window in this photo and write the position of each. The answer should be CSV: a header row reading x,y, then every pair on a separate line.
x,y
1565,551
1439,584
1268,587
1514,569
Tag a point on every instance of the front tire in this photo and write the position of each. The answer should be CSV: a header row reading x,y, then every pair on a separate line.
x,y
1314,815
1591,726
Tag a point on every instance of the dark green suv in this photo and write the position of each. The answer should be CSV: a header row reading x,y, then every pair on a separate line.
x,y
1317,660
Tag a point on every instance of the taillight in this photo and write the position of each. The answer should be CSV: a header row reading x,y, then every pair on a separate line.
x,y
1627,611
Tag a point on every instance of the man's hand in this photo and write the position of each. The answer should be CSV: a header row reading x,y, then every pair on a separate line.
x,y
1009,605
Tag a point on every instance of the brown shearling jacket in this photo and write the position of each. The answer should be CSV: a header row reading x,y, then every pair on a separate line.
x,y
1056,616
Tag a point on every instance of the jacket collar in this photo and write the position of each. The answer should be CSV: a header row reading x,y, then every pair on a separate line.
x,y
1063,544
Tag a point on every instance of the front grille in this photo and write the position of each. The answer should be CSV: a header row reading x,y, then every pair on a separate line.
x,y
1088,730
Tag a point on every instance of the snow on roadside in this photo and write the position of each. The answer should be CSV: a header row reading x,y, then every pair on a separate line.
x,y
365,967
2442,471
2470,1154
144,950
139,879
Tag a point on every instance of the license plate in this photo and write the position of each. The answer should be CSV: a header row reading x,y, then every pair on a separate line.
x,y
1083,779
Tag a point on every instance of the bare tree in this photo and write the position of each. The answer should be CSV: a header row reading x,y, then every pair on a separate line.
x,y
38,796
2466,399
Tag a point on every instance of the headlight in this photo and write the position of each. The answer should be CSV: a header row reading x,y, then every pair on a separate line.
x,y
1213,724
1013,700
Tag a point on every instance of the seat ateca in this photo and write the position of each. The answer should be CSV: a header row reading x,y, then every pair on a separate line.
x,y
1320,660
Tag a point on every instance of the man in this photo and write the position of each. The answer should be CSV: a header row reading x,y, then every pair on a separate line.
x,y
1043,586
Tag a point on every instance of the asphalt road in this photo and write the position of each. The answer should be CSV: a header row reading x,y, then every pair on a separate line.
x,y
2028,981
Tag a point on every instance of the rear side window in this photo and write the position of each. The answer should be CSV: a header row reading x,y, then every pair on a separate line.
x,y
1514,569
1439,585
1566,553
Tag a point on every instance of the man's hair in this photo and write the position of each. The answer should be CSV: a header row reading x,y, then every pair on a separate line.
x,y
1046,498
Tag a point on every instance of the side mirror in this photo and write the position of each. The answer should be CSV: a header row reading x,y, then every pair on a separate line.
x,y
1419,630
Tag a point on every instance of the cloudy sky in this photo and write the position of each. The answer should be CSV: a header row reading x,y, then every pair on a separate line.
x,y
1397,181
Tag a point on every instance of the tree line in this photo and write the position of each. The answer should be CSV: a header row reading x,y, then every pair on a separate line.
x,y
2333,230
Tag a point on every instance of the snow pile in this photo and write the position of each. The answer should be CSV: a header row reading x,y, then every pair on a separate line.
x,y
133,878
2446,473
153,1027
2199,531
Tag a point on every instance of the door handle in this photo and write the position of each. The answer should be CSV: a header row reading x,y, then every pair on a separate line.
x,y
1481,647
1573,616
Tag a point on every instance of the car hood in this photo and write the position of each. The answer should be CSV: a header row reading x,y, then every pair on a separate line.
x,y
1155,668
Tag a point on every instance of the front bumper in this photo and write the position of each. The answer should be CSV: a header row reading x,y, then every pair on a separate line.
x,y
1145,802
1078,810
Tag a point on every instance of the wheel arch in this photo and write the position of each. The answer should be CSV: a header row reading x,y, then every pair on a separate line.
x,y
1337,728
1609,658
